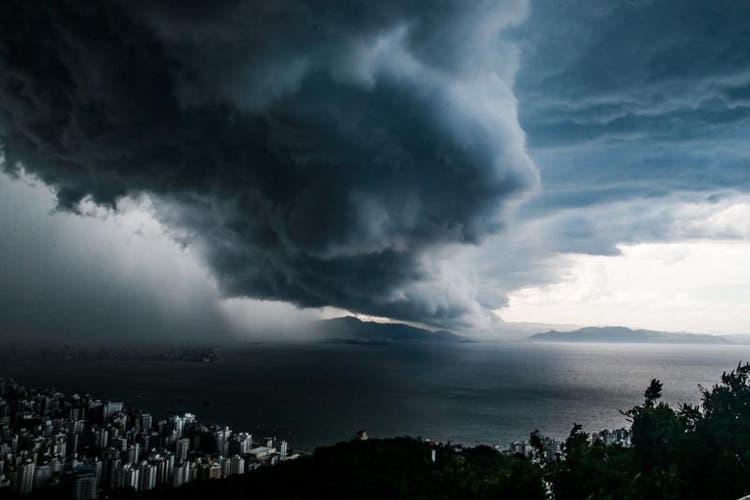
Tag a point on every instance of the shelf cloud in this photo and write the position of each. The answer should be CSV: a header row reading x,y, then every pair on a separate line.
x,y
416,161
312,155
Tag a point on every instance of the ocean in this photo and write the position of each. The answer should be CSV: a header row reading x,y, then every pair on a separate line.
x,y
317,394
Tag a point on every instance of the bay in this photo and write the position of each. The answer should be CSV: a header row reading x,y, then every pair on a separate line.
x,y
316,394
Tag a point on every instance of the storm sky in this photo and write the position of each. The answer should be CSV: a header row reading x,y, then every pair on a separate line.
x,y
192,169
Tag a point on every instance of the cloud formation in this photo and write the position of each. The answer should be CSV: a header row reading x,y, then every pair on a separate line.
x,y
367,156
108,276
635,99
632,70
636,117
318,156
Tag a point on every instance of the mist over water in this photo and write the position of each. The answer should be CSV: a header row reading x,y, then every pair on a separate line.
x,y
316,394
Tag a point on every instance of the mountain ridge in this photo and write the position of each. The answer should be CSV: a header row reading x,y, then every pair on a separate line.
x,y
622,334
349,329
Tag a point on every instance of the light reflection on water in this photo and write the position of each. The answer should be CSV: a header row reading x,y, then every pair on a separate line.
x,y
471,393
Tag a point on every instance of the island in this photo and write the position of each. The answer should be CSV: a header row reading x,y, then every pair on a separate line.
x,y
621,334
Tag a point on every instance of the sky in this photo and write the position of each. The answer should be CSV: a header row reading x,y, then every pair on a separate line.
x,y
239,168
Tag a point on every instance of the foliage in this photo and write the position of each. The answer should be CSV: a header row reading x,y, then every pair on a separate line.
x,y
692,452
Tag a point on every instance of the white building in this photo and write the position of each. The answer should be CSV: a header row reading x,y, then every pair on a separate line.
x,y
262,451
25,478
131,477
182,448
237,465
182,474
84,486
42,476
148,477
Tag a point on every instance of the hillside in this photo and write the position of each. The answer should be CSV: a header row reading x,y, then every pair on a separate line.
x,y
621,334
353,330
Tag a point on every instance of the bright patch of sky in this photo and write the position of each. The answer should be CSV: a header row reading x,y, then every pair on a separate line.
x,y
694,286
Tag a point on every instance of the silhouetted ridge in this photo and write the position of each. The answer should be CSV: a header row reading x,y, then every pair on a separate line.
x,y
351,329
623,334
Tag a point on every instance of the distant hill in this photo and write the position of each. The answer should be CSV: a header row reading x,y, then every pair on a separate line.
x,y
622,334
352,330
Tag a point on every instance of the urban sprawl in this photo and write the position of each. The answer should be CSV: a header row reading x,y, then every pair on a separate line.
x,y
85,446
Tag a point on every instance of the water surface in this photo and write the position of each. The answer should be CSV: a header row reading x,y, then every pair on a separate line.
x,y
315,394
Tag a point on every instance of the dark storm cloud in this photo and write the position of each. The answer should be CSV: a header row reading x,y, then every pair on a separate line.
x,y
312,154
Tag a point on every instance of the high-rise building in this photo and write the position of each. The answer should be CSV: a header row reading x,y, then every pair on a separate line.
x,y
25,477
241,444
131,477
154,441
111,478
98,467
221,445
161,470
84,485
102,438
237,465
42,476
178,479
182,448
146,421
76,413
72,442
134,453
148,477
177,426
56,464
169,460
209,470
60,445
120,444
214,471
110,408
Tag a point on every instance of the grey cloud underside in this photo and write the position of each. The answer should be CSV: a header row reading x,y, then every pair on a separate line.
x,y
632,108
312,155
630,99
673,70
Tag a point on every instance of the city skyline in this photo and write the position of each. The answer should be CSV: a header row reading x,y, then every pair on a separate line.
x,y
80,446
